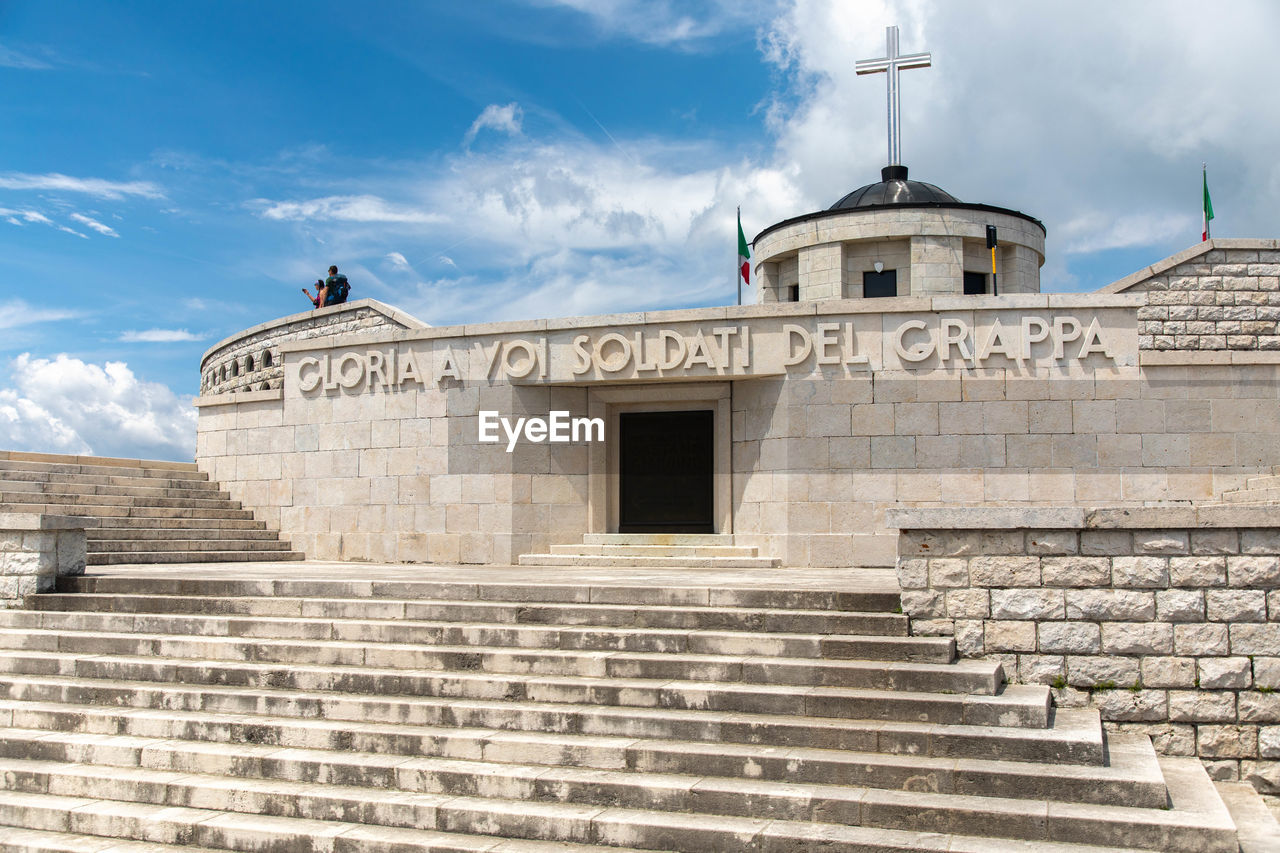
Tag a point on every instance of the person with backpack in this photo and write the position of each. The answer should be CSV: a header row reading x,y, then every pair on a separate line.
x,y
331,291
336,288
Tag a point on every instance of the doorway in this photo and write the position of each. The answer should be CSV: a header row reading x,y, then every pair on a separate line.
x,y
666,468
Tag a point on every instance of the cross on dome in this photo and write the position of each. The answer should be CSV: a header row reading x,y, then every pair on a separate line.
x,y
891,64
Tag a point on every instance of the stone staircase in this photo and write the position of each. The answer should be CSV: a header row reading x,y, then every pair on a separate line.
x,y
654,550
149,511
164,714
1257,490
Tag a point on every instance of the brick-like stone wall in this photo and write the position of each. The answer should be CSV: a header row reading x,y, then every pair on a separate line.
x,y
35,550
1219,299
1165,624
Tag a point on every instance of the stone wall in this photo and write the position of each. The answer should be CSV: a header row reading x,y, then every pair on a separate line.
x,y
1220,295
1167,620
250,360
942,243
35,550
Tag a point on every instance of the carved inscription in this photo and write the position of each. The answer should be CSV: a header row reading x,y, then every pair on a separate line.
x,y
766,348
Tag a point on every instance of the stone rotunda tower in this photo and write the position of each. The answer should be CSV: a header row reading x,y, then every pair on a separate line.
x,y
898,237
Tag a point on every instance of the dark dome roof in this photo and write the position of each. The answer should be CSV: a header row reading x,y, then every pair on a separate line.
x,y
894,189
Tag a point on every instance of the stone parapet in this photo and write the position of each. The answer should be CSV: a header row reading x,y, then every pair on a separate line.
x,y
251,360
1167,620
35,550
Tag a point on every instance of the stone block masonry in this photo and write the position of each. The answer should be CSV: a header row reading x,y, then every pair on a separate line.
x,y
1166,620
250,360
1220,295
35,550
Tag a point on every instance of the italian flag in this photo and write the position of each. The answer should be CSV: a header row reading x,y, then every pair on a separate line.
x,y
1208,205
744,252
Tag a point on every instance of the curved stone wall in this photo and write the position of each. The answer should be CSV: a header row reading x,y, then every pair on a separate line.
x,y
251,360
826,253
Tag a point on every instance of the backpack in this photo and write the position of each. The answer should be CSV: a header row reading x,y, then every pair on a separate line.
x,y
338,293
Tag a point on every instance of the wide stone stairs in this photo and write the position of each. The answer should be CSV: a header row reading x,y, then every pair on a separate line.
x,y
147,511
163,714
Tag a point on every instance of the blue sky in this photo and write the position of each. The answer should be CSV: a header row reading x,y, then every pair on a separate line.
x,y
173,172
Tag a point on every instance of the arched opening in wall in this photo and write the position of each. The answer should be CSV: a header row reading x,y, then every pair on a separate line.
x,y
224,373
265,386
235,368
248,364
266,358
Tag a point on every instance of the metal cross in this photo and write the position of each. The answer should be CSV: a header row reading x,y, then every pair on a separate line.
x,y
892,63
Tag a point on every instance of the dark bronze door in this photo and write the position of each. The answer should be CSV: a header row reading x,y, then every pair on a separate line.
x,y
666,464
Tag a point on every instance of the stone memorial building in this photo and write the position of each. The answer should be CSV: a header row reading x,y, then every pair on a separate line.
x,y
845,391
907,555
1081,487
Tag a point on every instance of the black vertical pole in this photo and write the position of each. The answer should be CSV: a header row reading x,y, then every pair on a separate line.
x,y
992,242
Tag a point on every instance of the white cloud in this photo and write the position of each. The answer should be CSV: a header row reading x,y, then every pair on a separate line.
x,y
19,217
15,313
398,260
158,336
1097,231
504,119
668,23
90,222
350,208
91,186
24,425
10,58
68,405
22,217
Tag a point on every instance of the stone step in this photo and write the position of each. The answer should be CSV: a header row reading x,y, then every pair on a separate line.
x,y
98,463
459,761
471,804
1024,706
153,490
208,829
649,562
570,637
201,525
1257,828
658,539
146,545
688,596
153,557
1270,481
125,511
1252,496
756,620
963,676
200,484
108,534
78,821
413,726
622,767
655,550
91,501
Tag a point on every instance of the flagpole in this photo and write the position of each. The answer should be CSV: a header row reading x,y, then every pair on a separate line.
x,y
737,270
1204,175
